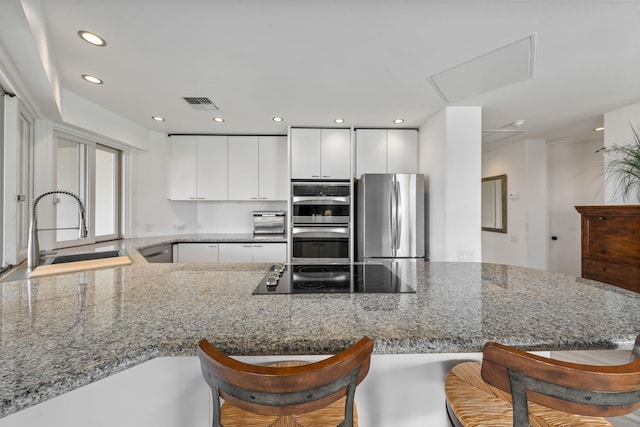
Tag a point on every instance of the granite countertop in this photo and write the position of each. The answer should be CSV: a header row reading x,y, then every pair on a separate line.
x,y
60,332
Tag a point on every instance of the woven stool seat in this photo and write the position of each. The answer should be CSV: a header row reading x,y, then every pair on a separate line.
x,y
476,403
331,415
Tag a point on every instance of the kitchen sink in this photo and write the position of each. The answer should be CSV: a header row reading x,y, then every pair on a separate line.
x,y
84,257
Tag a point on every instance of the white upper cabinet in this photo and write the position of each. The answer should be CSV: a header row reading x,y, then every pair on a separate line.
x,y
218,167
211,165
371,151
320,153
198,168
182,185
243,167
257,168
386,151
335,153
272,168
305,153
402,151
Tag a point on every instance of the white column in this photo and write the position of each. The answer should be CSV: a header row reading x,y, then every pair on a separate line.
x,y
450,156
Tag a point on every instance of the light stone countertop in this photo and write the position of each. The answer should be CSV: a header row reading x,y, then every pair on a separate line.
x,y
61,332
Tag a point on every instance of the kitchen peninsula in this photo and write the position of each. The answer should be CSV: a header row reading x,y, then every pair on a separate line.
x,y
61,332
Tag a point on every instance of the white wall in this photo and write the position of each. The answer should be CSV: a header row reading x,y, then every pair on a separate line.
x,y
450,157
575,179
511,247
617,131
78,111
525,243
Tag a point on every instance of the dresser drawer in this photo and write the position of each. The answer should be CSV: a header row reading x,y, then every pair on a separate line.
x,y
616,274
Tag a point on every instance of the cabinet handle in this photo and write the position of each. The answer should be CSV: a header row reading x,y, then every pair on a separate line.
x,y
315,176
253,198
200,198
246,246
257,246
262,198
192,198
212,246
326,176
601,218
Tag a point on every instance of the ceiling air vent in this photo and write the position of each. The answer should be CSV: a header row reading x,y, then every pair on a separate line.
x,y
201,103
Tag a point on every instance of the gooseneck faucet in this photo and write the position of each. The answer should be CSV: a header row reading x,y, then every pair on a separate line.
x,y
33,248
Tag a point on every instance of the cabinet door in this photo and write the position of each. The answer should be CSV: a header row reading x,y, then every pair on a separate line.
x,y
236,252
335,157
211,165
269,252
182,185
402,151
305,153
197,252
371,151
243,167
272,168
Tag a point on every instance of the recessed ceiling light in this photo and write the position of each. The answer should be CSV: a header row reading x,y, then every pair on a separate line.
x,y
92,38
278,119
218,119
158,118
339,121
599,129
92,79
398,121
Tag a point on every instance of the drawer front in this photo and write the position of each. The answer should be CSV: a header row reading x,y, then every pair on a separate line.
x,y
614,274
614,237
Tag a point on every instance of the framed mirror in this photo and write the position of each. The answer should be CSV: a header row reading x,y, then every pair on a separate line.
x,y
494,203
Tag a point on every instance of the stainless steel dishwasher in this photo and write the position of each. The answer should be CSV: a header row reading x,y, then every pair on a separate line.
x,y
159,253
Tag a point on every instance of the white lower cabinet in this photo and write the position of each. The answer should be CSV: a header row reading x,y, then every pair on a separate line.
x,y
246,253
197,252
253,252
236,252
269,252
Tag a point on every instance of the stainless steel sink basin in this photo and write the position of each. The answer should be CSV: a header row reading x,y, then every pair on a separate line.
x,y
84,257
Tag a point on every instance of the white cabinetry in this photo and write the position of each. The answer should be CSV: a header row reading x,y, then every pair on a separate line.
x,y
386,151
320,153
198,168
257,168
269,252
247,253
197,252
253,252
243,167
272,168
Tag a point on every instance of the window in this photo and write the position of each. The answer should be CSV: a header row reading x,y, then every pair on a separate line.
x,y
92,172
107,190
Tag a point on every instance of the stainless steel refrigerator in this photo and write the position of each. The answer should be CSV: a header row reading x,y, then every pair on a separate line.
x,y
390,216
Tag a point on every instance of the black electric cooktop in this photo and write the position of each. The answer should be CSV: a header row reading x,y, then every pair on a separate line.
x,y
330,278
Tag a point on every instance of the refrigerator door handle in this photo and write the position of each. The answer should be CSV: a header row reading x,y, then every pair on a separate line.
x,y
398,215
392,219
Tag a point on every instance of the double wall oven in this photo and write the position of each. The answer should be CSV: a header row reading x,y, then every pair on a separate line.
x,y
321,214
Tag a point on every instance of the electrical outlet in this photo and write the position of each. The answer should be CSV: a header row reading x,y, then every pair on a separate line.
x,y
148,228
465,256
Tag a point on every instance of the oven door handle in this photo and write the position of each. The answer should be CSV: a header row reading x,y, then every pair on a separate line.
x,y
320,231
320,200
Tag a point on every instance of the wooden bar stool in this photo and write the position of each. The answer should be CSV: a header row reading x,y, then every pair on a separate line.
x,y
290,393
516,388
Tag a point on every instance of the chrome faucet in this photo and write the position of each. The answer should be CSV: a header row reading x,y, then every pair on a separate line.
x,y
33,248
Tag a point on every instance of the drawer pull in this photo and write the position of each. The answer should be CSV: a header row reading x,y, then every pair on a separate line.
x,y
601,218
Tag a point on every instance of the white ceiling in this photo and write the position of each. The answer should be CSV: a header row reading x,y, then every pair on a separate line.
x,y
367,61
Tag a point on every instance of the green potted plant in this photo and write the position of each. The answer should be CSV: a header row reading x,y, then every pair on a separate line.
x,y
622,167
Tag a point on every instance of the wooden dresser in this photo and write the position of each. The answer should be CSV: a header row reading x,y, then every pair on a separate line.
x,y
611,244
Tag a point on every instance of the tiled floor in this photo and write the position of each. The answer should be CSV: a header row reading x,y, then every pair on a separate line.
x,y
602,358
